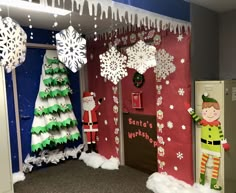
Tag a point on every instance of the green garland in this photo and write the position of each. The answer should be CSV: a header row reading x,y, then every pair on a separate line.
x,y
138,80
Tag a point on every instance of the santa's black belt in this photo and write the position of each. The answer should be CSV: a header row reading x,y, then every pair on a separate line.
x,y
90,123
210,142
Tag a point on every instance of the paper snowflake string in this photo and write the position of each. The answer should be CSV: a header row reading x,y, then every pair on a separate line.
x,y
71,48
164,65
141,56
113,65
12,44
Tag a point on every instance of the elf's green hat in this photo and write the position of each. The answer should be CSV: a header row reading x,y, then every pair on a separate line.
x,y
205,98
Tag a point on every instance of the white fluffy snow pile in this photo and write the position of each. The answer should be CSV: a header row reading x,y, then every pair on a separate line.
x,y
95,160
160,183
17,177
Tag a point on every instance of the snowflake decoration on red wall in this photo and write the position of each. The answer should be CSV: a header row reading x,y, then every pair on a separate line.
x,y
141,56
113,65
165,65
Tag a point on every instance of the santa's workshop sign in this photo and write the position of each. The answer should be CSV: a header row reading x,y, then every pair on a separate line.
x,y
140,141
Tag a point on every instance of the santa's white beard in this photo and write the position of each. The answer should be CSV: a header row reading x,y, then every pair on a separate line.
x,y
88,106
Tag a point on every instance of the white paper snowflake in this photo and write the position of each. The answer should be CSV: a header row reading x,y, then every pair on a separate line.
x,y
180,155
176,168
183,127
113,65
180,38
181,91
12,44
141,56
170,124
164,65
182,60
71,48
172,107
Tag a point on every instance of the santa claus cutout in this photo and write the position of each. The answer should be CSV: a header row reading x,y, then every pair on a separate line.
x,y
90,122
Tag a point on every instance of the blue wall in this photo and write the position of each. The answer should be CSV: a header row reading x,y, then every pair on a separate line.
x,y
28,78
178,9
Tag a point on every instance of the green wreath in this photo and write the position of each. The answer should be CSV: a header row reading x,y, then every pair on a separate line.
x,y
138,80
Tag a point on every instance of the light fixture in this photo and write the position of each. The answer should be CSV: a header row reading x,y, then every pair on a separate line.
x,y
34,7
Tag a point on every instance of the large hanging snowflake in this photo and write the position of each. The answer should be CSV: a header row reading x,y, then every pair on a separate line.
x,y
12,44
113,65
71,48
141,56
164,65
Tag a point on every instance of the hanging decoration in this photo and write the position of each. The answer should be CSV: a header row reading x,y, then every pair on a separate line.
x,y
12,44
138,80
71,48
141,56
119,11
113,65
30,26
164,65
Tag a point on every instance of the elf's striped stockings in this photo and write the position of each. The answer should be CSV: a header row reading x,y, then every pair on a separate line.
x,y
216,166
204,160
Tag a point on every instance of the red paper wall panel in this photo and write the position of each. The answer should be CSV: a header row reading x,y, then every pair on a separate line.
x,y
148,93
176,89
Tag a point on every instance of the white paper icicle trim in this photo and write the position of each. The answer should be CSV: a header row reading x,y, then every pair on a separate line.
x,y
130,13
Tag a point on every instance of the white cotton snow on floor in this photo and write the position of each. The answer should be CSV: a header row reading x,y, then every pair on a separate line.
x,y
95,160
160,183
17,177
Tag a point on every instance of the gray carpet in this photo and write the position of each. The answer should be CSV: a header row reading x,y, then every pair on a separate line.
x,y
73,176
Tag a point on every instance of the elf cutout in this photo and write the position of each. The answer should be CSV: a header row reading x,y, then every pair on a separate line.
x,y
90,122
212,138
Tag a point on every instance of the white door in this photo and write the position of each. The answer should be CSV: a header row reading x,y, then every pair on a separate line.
x,y
5,156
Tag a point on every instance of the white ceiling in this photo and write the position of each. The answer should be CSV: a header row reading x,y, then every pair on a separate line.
x,y
85,23
219,6
82,23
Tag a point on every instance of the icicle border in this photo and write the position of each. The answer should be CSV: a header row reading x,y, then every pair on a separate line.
x,y
130,14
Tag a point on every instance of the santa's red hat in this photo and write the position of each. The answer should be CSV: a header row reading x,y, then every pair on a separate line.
x,y
88,94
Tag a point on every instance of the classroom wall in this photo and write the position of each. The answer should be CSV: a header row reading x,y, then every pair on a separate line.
x,y
204,44
227,45
177,9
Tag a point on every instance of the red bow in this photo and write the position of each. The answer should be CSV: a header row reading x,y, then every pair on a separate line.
x,y
213,123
